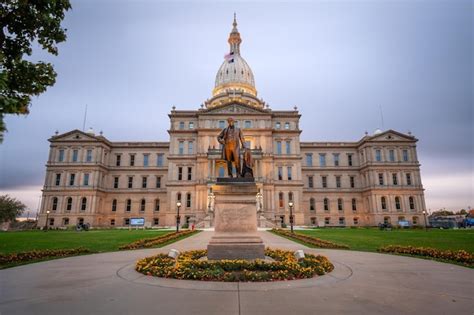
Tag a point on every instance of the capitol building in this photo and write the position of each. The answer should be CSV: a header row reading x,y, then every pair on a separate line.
x,y
90,179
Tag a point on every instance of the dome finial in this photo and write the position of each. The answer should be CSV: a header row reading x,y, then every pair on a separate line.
x,y
235,22
234,38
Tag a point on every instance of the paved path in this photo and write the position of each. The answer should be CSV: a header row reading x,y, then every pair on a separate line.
x,y
361,283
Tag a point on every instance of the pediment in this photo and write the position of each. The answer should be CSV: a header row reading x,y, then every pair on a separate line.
x,y
391,135
74,135
234,108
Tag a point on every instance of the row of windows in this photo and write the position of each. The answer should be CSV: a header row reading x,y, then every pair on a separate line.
x,y
181,174
279,145
72,179
342,220
144,183
289,173
181,147
247,124
326,204
398,203
392,155
141,207
69,204
126,221
146,159
324,181
335,159
75,156
394,179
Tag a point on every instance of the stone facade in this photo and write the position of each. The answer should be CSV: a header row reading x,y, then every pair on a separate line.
x,y
91,179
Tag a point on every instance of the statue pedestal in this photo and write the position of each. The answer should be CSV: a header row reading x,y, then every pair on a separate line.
x,y
235,222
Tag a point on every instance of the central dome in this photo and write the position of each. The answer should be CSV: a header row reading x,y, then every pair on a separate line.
x,y
234,73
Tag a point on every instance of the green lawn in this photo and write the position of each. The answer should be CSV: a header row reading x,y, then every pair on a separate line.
x,y
95,240
370,239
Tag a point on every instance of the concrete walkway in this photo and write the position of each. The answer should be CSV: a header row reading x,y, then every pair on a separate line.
x,y
361,283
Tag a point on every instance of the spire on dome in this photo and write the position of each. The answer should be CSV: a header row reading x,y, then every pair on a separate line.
x,y
234,38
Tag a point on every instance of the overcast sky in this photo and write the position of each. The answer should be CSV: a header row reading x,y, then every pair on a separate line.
x,y
340,62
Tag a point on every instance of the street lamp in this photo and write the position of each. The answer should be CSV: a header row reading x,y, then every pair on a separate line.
x,y
290,204
46,223
178,218
424,214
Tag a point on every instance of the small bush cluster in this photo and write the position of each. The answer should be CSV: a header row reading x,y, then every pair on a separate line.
x,y
189,266
159,240
458,256
310,240
40,254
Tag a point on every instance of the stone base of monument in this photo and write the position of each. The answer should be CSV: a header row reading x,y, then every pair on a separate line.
x,y
235,222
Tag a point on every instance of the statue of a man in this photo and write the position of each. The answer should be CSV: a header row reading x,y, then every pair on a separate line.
x,y
231,138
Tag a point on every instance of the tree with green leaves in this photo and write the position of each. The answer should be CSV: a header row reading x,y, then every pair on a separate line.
x,y
24,22
10,208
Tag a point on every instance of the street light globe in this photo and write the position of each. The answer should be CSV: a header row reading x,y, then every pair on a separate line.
x,y
178,204
424,211
47,211
290,203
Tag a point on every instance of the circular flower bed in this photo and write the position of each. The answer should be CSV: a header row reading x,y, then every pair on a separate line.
x,y
189,266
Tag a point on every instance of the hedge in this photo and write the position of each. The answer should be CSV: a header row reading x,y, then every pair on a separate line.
x,y
159,240
310,240
40,254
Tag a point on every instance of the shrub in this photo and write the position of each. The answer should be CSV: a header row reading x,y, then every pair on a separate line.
x,y
159,240
189,266
459,256
310,240
40,254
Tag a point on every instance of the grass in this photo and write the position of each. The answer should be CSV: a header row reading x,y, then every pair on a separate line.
x,y
369,239
94,240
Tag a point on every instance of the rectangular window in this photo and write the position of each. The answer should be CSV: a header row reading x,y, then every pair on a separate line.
x,y
322,159
86,179
188,200
146,158
75,155
118,160
324,181
112,222
72,179
327,221
277,125
130,181
191,125
61,156
405,155
287,125
391,155
349,159
116,182
288,147
352,180
156,221
290,177
159,159
157,205
58,179
180,173
280,173
310,182
278,147
190,147
144,181
181,148
128,205
395,179
126,221
338,181
132,159
309,159
89,156
342,221
248,124
408,179
221,124
190,173
378,155
354,204
380,178
336,159
181,125
114,205
158,181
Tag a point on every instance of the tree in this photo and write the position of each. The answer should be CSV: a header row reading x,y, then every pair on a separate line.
x,y
24,22
10,208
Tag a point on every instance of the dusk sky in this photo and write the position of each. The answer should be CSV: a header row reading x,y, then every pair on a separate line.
x,y
341,62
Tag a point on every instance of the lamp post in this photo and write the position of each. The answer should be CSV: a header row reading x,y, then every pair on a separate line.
x,y
290,204
46,222
424,214
178,218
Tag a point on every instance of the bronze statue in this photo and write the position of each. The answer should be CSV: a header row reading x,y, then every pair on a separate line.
x,y
231,138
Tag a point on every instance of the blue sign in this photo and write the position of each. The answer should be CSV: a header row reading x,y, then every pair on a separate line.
x,y
137,221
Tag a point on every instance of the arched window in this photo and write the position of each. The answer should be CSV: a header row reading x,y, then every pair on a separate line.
x,y
80,220
83,204
327,221
280,200
339,204
397,203
128,205
54,207
290,196
221,171
411,201
157,204
69,204
386,220
354,204
114,205
326,204
384,203
188,200
356,221
312,204
401,218
142,205
415,220
65,221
